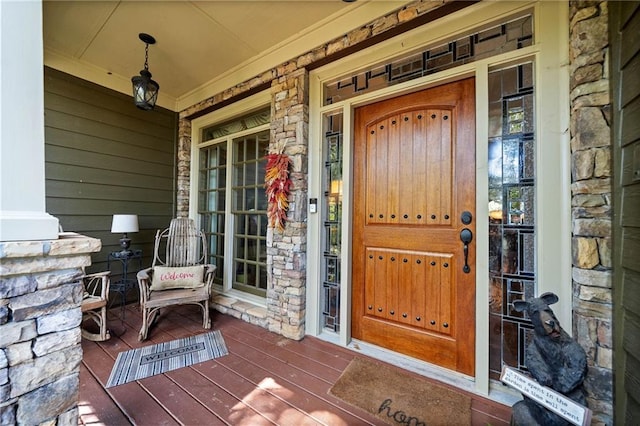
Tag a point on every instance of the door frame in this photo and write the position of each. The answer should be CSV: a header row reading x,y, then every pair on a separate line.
x,y
553,210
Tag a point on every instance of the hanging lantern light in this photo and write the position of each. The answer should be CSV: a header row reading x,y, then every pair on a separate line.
x,y
145,90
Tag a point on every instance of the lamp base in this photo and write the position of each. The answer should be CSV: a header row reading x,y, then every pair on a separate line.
x,y
125,243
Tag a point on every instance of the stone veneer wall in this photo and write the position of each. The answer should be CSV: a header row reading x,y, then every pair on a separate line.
x,y
591,199
40,351
591,186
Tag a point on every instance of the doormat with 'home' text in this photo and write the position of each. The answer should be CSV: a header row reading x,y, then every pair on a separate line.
x,y
399,398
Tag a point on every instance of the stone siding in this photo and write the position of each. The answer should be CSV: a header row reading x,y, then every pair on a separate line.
x,y
184,168
242,310
286,251
591,199
40,351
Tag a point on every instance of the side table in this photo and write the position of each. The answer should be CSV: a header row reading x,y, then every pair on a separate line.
x,y
125,284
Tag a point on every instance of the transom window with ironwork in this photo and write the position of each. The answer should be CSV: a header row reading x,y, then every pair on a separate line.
x,y
498,38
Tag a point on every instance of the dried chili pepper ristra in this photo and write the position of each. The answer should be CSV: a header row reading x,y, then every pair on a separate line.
x,y
278,185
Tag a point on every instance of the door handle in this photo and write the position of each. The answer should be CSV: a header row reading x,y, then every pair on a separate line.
x,y
466,236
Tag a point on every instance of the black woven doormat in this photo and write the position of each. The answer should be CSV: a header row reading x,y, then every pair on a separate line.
x,y
148,361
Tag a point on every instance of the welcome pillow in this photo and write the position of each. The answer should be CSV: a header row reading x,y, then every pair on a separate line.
x,y
165,277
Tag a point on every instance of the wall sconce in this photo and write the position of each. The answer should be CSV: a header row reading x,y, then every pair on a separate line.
x,y
124,223
145,90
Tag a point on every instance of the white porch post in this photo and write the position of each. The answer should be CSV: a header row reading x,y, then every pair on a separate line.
x,y
22,182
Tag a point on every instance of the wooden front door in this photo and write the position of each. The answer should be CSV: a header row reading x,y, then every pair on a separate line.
x,y
414,186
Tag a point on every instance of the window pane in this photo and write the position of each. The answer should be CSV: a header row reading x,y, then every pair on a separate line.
x,y
332,219
250,216
512,232
248,199
211,202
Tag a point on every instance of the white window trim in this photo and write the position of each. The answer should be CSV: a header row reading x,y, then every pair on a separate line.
x,y
553,208
224,114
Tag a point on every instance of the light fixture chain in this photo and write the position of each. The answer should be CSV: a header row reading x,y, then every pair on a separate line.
x,y
146,56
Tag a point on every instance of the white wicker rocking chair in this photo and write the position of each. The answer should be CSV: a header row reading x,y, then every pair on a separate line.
x,y
178,275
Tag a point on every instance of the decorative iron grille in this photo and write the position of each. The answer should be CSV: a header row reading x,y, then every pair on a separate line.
x,y
512,232
332,220
500,38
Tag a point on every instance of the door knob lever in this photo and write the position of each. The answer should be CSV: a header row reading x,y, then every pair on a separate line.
x,y
466,236
466,217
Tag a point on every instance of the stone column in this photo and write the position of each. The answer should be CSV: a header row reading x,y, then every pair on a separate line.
x,y
591,199
184,167
40,316
286,251
22,188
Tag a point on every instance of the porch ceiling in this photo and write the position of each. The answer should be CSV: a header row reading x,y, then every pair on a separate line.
x,y
202,47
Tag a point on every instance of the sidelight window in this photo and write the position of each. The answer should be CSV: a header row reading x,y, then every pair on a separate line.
x,y
332,218
512,272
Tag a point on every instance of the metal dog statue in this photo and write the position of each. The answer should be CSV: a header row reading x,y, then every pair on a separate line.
x,y
554,360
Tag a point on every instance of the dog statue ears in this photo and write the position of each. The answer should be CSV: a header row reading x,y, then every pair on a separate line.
x,y
548,298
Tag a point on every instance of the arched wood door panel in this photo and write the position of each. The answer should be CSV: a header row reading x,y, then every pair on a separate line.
x,y
414,177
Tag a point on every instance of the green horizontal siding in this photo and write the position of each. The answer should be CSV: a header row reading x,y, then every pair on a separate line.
x,y
104,174
103,145
104,156
134,137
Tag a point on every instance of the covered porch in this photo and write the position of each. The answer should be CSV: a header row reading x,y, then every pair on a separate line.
x,y
101,157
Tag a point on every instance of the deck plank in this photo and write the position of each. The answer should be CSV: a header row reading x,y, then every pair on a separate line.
x,y
132,399
265,380
262,348
300,389
174,399
291,366
208,393
94,404
322,364
273,408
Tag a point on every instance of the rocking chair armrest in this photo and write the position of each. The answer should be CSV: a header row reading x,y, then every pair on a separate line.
x,y
209,274
97,284
144,282
98,274
209,269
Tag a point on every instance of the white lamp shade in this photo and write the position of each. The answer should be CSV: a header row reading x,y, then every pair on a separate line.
x,y
124,223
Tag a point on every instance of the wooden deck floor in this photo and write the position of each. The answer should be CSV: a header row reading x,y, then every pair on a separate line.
x,y
265,380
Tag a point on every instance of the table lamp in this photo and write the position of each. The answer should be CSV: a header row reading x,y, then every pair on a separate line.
x,y
124,223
